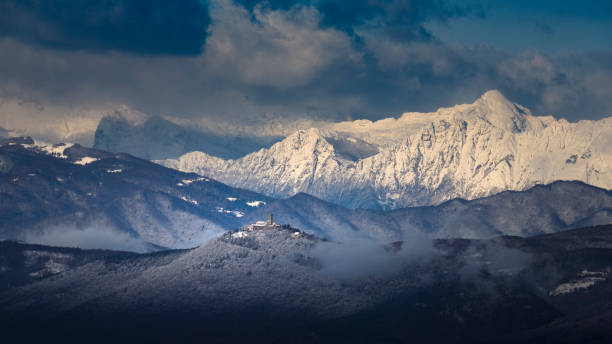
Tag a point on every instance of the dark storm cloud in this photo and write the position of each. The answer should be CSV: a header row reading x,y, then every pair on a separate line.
x,y
138,26
401,18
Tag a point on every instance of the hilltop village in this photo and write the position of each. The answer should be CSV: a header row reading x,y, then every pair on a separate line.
x,y
268,226
263,225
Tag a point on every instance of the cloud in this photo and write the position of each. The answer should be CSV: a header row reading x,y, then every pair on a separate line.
x,y
273,48
402,19
93,237
357,257
136,26
266,61
49,123
493,258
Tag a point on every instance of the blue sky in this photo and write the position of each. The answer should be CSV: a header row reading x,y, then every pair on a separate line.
x,y
548,26
316,59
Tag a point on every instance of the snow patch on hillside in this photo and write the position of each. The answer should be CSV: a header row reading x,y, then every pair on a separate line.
x,y
236,213
587,280
86,160
189,200
255,204
189,181
56,150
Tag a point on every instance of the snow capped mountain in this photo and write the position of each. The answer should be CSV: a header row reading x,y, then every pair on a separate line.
x,y
466,151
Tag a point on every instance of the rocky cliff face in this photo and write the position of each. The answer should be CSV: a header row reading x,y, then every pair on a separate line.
x,y
467,151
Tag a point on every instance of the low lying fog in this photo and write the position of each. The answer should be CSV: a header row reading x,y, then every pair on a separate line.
x,y
93,237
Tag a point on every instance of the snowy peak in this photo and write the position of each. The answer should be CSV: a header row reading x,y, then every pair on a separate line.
x,y
500,112
318,142
495,100
309,140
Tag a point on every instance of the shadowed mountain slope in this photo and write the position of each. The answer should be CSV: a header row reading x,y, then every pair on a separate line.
x,y
541,209
47,191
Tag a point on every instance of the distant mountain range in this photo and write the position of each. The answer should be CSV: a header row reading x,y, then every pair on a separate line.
x,y
542,209
466,151
284,286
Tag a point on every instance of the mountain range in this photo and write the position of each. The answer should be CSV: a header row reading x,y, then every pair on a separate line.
x,y
72,195
466,151
539,210
481,219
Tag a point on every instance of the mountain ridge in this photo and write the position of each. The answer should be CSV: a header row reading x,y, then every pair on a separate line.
x,y
549,208
72,192
467,151
69,192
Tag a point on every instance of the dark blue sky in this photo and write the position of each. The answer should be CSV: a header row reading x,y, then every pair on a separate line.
x,y
324,59
546,25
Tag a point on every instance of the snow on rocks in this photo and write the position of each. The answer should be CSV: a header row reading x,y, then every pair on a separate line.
x,y
86,160
56,150
53,262
240,234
